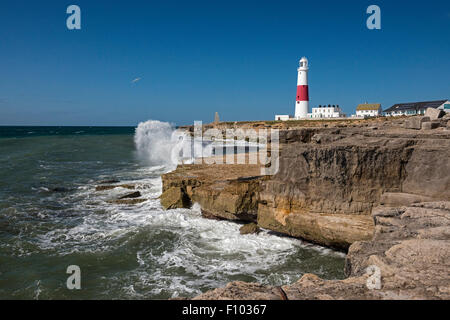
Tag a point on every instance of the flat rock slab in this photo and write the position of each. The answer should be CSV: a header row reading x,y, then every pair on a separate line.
x,y
136,194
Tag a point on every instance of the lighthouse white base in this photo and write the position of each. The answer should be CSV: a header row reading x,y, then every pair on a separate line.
x,y
301,109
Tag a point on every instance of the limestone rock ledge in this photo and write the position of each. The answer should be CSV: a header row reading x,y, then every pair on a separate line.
x,y
328,182
223,191
411,248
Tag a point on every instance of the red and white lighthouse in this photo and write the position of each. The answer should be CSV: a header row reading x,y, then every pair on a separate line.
x,y
302,101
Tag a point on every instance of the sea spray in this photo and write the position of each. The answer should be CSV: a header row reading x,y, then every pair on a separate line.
x,y
153,141
159,143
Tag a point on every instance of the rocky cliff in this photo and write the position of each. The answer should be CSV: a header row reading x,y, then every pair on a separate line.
x,y
379,187
328,182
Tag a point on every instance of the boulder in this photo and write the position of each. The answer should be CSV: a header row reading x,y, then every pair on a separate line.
x,y
174,197
249,228
430,125
415,122
434,113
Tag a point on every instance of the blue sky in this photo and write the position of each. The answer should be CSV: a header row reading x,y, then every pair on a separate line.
x,y
197,57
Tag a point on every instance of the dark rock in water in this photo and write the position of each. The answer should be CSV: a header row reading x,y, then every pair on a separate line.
x,y
136,194
59,189
130,198
108,187
102,188
249,228
127,186
128,201
109,181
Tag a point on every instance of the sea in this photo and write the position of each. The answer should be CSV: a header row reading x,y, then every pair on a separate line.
x,y
52,217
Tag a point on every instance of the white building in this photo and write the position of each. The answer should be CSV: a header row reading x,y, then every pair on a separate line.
x,y
283,117
369,110
330,111
416,108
